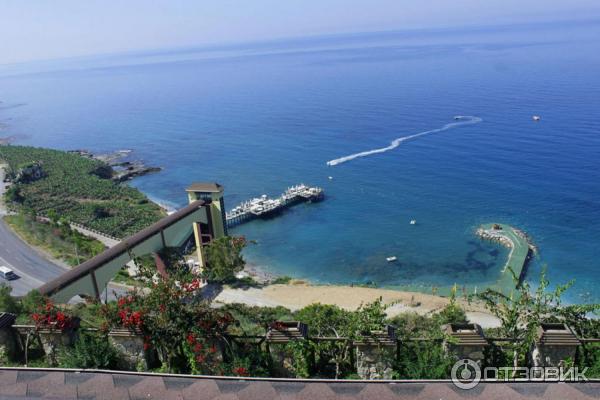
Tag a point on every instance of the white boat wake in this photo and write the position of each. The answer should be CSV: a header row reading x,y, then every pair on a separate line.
x,y
460,121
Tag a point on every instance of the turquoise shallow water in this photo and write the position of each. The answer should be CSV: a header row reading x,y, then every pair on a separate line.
x,y
258,118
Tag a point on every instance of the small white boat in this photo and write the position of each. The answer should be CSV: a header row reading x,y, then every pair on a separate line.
x,y
458,117
391,259
536,118
413,221
331,177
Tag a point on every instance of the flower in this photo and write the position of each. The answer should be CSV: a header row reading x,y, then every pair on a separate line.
x,y
240,371
190,338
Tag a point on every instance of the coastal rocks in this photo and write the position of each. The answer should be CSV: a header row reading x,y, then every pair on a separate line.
x,y
495,235
29,172
375,354
118,167
498,233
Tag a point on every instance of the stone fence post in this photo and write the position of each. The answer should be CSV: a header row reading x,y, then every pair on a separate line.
x,y
279,335
465,341
555,346
376,353
130,345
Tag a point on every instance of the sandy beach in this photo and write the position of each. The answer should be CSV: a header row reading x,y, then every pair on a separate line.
x,y
298,295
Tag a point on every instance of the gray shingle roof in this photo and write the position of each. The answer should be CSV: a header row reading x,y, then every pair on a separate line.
x,y
7,319
34,384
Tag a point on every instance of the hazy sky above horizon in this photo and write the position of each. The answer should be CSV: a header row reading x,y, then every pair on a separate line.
x,y
39,29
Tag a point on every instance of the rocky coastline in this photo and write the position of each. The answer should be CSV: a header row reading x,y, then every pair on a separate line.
x,y
123,167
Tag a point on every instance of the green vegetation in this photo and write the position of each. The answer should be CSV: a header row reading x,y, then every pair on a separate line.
x,y
192,336
77,188
91,350
8,303
282,280
224,259
523,312
57,239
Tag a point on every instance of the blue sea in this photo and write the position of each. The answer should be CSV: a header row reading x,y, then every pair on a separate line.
x,y
259,117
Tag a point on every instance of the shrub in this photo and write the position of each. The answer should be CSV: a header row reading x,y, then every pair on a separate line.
x,y
281,280
224,259
91,350
49,316
423,360
7,302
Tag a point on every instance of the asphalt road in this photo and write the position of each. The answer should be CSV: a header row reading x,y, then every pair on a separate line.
x,y
30,265
33,269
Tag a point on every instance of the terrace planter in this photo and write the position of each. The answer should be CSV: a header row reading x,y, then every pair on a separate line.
x,y
52,339
9,345
465,341
279,335
555,345
130,345
376,353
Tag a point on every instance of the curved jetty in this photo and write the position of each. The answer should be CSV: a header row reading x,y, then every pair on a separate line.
x,y
520,246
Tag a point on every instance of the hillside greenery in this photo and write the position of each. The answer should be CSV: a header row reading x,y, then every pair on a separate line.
x,y
76,188
59,240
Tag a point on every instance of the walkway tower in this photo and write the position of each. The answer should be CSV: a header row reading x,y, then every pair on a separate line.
x,y
216,227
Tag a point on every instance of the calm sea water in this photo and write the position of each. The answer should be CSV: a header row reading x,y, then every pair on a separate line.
x,y
260,117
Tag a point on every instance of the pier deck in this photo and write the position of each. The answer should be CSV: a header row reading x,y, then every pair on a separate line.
x,y
264,206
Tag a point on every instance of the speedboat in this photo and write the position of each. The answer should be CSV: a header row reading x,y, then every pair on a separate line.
x,y
413,221
391,259
536,118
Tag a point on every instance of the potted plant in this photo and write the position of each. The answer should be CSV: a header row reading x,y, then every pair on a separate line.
x,y
126,325
55,327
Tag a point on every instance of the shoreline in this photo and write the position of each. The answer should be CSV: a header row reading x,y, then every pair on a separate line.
x,y
301,292
298,294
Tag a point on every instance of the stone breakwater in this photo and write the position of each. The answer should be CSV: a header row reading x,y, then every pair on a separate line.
x,y
521,249
500,236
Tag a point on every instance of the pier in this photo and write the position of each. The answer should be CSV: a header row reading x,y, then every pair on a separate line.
x,y
264,206
520,246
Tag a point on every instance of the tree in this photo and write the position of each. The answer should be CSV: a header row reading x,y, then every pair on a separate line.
x,y
7,302
224,259
452,313
347,326
522,312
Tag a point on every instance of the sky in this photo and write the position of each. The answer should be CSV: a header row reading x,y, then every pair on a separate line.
x,y
48,29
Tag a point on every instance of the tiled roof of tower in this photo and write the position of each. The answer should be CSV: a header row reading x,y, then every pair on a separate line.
x,y
74,385
205,187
